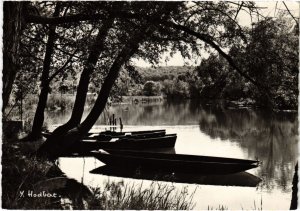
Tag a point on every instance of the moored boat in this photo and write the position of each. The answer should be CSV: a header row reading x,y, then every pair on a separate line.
x,y
108,137
167,141
237,179
175,162
109,132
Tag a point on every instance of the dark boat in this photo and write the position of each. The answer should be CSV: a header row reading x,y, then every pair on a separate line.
x,y
244,179
108,137
109,132
166,141
175,162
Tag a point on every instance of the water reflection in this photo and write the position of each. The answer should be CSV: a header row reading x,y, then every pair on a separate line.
x,y
160,113
219,131
272,138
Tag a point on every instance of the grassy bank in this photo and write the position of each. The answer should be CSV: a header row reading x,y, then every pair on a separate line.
x,y
122,196
20,172
23,174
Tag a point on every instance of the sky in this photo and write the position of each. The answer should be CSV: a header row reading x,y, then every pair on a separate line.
x,y
244,19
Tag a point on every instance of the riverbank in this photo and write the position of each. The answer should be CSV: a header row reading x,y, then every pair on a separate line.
x,y
64,103
31,183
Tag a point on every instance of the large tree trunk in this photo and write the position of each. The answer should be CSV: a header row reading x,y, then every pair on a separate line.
x,y
126,53
102,98
56,147
82,88
39,114
12,28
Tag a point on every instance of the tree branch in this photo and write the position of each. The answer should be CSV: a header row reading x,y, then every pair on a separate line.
x,y
290,13
239,9
225,14
55,47
209,41
62,68
64,19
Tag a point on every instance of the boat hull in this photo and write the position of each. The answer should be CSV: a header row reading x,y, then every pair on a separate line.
x,y
108,137
167,141
237,179
181,163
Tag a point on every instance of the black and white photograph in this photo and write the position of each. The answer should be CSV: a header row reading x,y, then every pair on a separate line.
x,y
150,105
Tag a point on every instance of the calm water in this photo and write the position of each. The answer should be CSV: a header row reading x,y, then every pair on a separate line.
x,y
214,131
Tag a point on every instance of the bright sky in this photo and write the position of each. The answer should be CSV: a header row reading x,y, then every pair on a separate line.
x,y
244,19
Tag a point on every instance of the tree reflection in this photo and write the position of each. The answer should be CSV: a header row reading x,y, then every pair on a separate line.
x,y
271,138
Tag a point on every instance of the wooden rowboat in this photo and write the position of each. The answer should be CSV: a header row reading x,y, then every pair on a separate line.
x,y
237,179
167,141
109,132
104,137
108,135
175,162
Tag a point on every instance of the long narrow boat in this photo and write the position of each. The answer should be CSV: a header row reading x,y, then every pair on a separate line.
x,y
104,137
107,135
175,162
167,141
237,179
109,132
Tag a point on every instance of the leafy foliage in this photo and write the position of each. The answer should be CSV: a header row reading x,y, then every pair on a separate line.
x,y
151,88
271,58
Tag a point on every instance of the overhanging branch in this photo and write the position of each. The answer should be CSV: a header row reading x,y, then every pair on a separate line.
x,y
62,68
79,17
290,13
205,38
64,19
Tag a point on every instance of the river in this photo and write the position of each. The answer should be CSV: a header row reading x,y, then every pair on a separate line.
x,y
209,130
